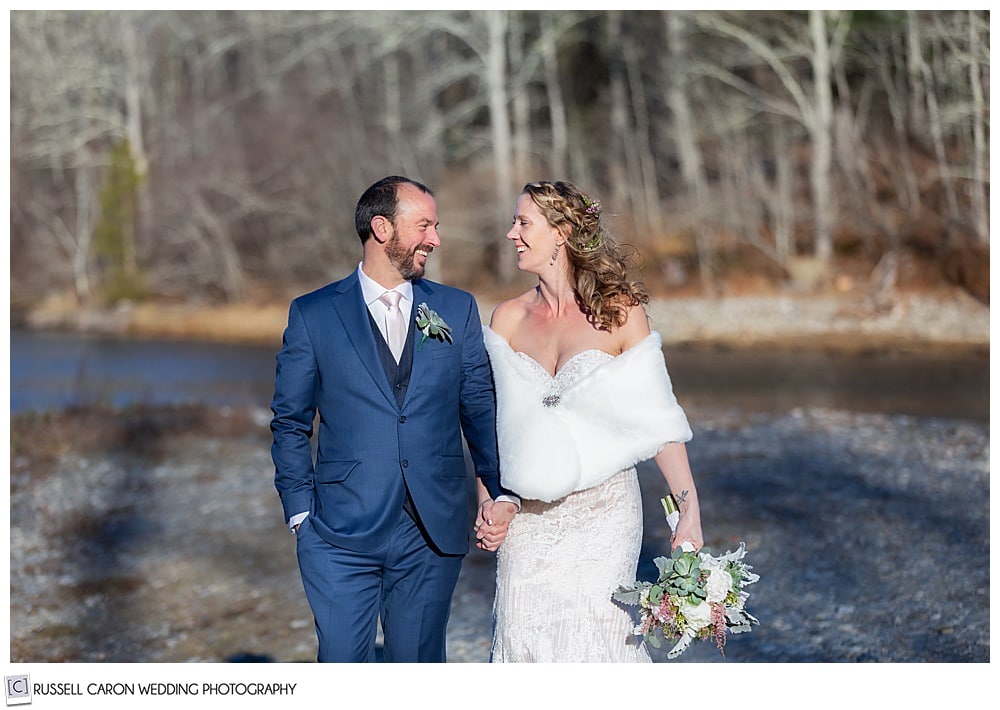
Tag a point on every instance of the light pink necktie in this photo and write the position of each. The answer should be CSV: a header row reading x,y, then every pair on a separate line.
x,y
395,325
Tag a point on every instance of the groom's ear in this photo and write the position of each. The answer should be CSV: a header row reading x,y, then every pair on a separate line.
x,y
382,228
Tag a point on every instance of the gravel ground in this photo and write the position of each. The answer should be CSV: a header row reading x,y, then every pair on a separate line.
x,y
156,536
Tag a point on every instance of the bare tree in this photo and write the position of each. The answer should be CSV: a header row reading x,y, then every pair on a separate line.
x,y
134,79
811,105
978,58
255,132
553,92
520,101
642,135
676,69
65,132
934,116
622,168
496,80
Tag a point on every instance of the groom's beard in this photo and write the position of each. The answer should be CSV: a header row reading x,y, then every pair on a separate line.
x,y
406,261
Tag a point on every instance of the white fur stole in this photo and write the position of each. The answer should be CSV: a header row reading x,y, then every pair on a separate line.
x,y
620,413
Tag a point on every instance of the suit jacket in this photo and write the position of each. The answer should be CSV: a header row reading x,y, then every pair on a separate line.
x,y
367,442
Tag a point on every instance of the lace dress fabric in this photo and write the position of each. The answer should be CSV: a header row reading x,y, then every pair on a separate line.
x,y
561,561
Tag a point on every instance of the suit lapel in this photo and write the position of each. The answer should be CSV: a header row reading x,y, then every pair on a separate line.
x,y
422,293
349,303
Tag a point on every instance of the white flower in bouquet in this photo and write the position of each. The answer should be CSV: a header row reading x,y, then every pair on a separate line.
x,y
718,585
699,616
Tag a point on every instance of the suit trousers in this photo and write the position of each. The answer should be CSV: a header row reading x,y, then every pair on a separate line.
x,y
405,582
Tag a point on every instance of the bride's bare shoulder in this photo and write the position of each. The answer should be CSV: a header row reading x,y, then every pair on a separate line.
x,y
635,329
509,314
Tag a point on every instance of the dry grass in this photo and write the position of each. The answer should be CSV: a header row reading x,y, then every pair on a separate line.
x,y
232,323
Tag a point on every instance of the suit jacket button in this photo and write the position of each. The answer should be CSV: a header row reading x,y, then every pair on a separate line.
x,y
405,463
402,420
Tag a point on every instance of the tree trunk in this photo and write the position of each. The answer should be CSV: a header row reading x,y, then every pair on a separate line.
x,y
521,103
231,276
821,131
496,71
784,211
393,115
86,192
618,171
557,106
910,194
980,151
686,141
135,230
643,143
937,136
914,55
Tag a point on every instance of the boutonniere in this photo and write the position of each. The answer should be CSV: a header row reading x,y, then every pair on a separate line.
x,y
431,325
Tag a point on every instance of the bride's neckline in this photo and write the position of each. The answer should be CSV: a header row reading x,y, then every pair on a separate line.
x,y
539,365
566,362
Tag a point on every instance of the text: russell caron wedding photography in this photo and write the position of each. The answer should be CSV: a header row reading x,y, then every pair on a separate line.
x,y
161,688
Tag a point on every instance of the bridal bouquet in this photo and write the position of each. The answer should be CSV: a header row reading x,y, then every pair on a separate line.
x,y
697,596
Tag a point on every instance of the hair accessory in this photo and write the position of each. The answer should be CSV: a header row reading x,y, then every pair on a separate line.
x,y
593,206
593,243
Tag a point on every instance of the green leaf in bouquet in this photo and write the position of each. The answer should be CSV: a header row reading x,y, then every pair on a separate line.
x,y
627,595
655,595
682,566
664,565
653,641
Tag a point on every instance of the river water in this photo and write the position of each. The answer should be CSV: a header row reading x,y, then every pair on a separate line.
x,y
59,370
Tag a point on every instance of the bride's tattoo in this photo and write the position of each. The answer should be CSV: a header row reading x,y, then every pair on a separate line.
x,y
682,499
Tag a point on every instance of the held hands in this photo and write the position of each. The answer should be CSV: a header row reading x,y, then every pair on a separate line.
x,y
492,521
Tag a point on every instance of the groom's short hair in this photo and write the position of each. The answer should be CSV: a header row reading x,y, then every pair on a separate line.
x,y
381,200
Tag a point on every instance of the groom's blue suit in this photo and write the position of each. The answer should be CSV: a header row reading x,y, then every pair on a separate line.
x,y
373,447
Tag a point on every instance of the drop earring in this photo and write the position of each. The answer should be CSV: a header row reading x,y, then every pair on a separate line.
x,y
555,253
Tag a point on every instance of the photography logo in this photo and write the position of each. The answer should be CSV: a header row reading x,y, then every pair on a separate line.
x,y
18,689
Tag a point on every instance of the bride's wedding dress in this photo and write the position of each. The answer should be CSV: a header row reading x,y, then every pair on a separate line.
x,y
560,563
578,533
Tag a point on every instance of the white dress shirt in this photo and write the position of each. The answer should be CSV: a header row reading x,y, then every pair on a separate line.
x,y
372,291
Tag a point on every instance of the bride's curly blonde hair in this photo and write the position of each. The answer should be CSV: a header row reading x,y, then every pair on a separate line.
x,y
599,267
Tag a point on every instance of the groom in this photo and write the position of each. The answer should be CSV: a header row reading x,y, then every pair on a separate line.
x,y
381,518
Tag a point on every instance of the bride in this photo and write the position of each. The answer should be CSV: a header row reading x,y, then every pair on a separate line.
x,y
582,396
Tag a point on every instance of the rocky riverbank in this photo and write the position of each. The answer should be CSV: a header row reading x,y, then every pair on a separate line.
x,y
156,536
